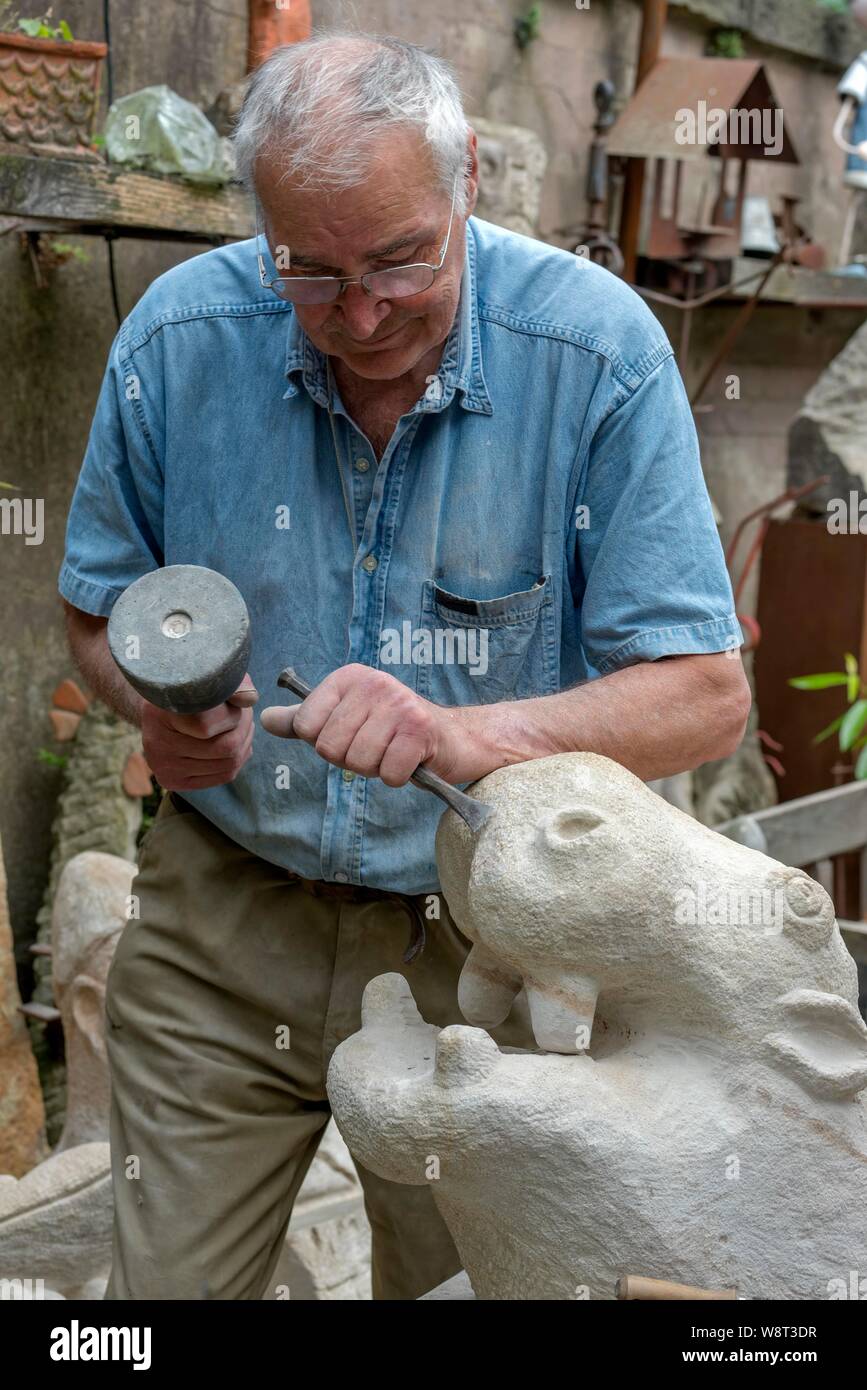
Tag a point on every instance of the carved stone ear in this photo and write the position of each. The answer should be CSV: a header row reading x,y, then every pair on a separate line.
x,y
87,1004
823,1044
388,1002
465,1056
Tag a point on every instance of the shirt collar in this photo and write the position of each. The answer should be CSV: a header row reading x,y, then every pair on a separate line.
x,y
460,368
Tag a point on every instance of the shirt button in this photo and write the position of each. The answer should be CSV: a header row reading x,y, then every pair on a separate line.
x,y
369,563
362,465
341,877
348,775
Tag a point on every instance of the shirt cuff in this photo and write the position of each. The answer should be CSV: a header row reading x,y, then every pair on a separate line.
x,y
96,599
689,639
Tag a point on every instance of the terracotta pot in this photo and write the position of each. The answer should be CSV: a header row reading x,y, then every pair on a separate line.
x,y
272,25
49,92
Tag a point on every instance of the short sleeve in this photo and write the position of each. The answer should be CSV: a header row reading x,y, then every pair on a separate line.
x,y
655,582
115,529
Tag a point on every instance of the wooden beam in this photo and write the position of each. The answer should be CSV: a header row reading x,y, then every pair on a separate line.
x,y
812,827
95,197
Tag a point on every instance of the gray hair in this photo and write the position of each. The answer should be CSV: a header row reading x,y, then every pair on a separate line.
x,y
320,105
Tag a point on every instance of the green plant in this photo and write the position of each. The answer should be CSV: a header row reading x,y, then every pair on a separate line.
x,y
726,43
528,26
45,755
851,725
65,251
835,6
39,28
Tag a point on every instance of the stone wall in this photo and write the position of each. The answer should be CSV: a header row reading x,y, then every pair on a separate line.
x,y
54,341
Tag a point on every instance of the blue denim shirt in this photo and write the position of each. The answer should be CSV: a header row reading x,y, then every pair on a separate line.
x,y
539,517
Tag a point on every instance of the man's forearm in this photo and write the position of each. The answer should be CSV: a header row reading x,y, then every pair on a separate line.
x,y
657,719
88,642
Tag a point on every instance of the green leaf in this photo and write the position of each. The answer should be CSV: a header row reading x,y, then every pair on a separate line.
x,y
831,729
819,682
854,680
45,755
65,31
854,721
31,27
861,766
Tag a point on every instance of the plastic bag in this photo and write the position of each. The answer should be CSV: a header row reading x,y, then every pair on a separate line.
x,y
156,129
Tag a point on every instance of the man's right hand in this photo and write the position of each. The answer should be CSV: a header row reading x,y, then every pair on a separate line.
x,y
187,752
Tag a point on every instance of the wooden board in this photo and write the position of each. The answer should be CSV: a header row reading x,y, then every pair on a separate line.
x,y
84,196
814,827
812,608
811,289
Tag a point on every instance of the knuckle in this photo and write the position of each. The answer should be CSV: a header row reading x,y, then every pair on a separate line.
x,y
327,748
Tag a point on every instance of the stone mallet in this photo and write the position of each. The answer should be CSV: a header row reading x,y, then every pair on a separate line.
x,y
181,637
475,813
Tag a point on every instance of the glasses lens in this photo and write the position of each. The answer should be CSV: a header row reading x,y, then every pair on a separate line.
x,y
400,281
299,290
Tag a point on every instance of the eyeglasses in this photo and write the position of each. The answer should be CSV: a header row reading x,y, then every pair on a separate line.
x,y
397,282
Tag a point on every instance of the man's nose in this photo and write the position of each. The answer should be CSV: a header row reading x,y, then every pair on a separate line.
x,y
362,312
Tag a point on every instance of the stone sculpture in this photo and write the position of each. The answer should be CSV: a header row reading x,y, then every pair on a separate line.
x,y
512,162
697,1113
94,812
829,435
22,1119
93,904
55,1224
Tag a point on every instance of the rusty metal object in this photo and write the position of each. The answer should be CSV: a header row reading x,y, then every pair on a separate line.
x,y
648,129
652,29
765,511
271,25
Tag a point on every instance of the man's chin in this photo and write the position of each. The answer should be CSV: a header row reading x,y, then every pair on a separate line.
x,y
386,364
380,368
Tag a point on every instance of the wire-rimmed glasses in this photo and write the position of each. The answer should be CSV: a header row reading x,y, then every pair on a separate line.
x,y
396,282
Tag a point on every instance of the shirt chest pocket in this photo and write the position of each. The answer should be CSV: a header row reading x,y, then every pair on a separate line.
x,y
479,651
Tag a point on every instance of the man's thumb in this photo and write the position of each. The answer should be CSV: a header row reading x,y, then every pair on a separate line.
x,y
279,720
245,695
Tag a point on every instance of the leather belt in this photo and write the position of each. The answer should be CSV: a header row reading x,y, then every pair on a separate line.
x,y
350,893
359,893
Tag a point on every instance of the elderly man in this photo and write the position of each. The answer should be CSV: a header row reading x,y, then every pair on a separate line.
x,y
454,475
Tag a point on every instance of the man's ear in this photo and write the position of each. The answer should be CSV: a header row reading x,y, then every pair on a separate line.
x,y
471,175
823,1044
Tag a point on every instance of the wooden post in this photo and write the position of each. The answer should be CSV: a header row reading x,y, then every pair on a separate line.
x,y
275,22
652,28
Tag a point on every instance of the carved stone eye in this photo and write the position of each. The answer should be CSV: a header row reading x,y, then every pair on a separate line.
x,y
805,897
563,828
809,916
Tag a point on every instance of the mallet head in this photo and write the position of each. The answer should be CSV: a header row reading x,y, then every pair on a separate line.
x,y
181,637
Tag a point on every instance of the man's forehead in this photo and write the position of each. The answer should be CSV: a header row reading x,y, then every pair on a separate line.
x,y
398,182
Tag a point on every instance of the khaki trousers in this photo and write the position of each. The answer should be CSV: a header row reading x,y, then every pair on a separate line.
x,y
223,1119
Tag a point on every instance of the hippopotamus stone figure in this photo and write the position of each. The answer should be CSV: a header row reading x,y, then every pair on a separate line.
x,y
695,1111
